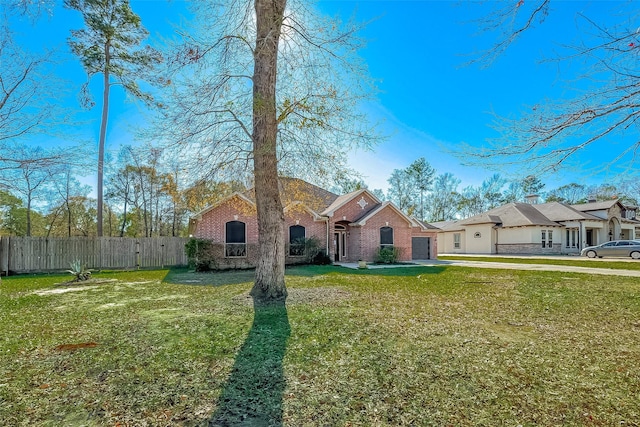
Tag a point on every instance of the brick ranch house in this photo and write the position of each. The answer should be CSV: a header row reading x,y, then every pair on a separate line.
x,y
350,227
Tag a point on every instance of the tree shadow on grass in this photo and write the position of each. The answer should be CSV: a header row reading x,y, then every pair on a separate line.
x,y
253,393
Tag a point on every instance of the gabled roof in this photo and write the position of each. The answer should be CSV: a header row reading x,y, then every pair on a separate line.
x,y
241,196
294,190
425,225
597,206
344,199
453,225
315,215
483,218
363,220
556,211
511,215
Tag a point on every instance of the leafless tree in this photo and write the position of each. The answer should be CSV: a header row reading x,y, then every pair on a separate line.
x,y
28,96
605,103
266,88
28,176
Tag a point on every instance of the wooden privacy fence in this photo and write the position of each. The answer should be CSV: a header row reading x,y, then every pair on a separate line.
x,y
28,254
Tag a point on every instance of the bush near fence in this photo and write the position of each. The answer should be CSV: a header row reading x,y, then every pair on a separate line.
x,y
40,254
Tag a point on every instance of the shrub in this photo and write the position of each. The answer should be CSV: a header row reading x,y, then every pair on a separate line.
x,y
80,271
321,258
387,255
200,253
314,253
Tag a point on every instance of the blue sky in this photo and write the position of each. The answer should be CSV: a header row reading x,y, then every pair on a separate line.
x,y
429,101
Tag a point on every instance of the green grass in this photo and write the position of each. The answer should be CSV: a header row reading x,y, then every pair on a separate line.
x,y
579,262
404,346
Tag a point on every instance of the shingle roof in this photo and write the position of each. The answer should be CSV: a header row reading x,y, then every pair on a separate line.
x,y
425,225
448,225
595,206
294,190
511,215
556,211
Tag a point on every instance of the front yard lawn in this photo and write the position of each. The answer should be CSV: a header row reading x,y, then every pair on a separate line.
x,y
404,346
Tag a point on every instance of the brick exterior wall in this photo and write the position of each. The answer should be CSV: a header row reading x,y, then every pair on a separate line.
x,y
300,216
212,224
370,235
352,211
212,227
362,242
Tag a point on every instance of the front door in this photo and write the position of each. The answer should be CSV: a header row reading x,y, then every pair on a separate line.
x,y
339,245
590,237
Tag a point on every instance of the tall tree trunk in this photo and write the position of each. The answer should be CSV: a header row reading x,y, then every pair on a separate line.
x,y
269,284
66,203
124,216
28,231
103,135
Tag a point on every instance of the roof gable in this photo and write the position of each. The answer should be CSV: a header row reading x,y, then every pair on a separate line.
x,y
227,199
363,221
346,198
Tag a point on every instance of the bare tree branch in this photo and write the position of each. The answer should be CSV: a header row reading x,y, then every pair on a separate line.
x,y
605,107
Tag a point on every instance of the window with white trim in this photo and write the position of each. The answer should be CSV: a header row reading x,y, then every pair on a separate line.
x,y
456,240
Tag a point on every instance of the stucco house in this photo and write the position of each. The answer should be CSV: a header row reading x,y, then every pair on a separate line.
x,y
546,228
350,227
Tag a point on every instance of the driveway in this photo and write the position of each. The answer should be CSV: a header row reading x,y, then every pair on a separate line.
x,y
533,267
509,266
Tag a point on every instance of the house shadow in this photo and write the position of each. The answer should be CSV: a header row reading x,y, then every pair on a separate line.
x,y
253,393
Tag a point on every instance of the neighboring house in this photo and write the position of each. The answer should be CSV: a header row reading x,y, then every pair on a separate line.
x,y
547,228
349,227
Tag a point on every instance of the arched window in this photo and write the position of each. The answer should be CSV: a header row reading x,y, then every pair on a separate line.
x,y
296,240
235,239
386,236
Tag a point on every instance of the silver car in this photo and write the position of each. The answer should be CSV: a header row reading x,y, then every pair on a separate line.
x,y
615,248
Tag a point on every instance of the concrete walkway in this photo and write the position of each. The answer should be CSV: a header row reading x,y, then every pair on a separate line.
x,y
507,266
